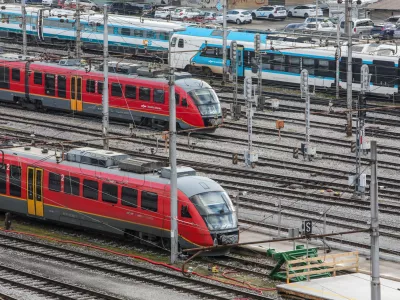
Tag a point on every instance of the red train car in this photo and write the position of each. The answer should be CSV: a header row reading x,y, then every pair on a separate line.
x,y
142,100
115,193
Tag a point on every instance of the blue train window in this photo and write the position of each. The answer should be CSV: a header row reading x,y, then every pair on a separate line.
x,y
150,34
125,31
138,33
164,36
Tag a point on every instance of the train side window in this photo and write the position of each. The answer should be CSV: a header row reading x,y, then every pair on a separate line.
x,y
130,91
149,201
100,85
163,36
177,96
138,33
173,42
294,64
181,43
3,181
15,74
129,197
150,34
71,185
309,64
184,102
185,212
37,78
116,89
15,181
144,94
4,77
125,31
159,96
90,86
50,84
55,182
110,193
62,86
90,189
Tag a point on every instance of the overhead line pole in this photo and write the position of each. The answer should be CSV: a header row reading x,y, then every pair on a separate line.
x,y
24,37
224,42
172,160
349,68
78,31
375,279
105,84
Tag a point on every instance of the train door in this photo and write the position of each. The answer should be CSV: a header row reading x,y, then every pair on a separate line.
x,y
35,191
76,93
240,70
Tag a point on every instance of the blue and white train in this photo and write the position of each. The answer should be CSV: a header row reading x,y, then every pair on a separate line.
x,y
125,34
283,61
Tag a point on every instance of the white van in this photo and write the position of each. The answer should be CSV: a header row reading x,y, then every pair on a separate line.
x,y
164,12
359,26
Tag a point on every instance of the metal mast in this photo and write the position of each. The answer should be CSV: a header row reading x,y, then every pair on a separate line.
x,y
105,84
349,68
24,37
337,56
78,31
224,42
375,280
172,161
258,58
359,180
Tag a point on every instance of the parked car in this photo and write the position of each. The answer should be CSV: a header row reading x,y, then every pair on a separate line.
x,y
239,16
185,13
51,3
304,11
360,26
393,19
270,12
383,31
321,26
396,32
128,8
86,4
164,12
293,26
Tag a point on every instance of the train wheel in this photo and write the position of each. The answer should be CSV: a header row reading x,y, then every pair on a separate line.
x,y
207,72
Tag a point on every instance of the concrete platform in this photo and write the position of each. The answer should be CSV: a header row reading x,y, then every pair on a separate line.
x,y
388,269
351,287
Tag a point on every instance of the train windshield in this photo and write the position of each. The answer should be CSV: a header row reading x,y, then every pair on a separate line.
x,y
217,210
207,101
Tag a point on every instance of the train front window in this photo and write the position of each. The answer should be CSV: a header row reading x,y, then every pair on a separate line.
x,y
207,101
217,210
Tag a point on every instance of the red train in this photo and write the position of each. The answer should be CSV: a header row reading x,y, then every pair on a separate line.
x,y
115,193
143,100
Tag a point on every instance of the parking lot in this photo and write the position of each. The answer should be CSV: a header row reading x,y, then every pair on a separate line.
x,y
278,24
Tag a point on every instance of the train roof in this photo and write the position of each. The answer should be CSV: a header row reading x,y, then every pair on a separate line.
x,y
218,34
119,167
185,82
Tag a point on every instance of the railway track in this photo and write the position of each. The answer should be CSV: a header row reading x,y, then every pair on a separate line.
x,y
35,285
340,240
176,281
283,180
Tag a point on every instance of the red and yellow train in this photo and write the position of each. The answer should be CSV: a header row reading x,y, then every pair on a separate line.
x,y
137,99
115,193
